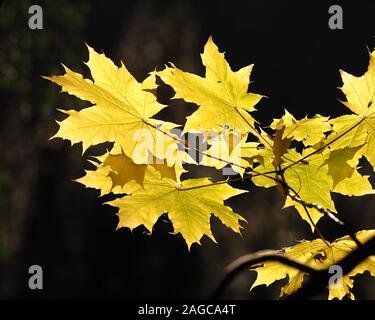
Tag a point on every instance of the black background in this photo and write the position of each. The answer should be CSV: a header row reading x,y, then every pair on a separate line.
x,y
47,219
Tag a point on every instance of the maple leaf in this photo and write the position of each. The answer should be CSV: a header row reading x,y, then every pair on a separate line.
x,y
122,109
309,131
117,173
266,165
341,163
222,95
318,255
311,182
309,178
342,167
359,128
189,205
98,179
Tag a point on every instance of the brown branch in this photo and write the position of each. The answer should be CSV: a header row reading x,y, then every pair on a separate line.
x,y
317,207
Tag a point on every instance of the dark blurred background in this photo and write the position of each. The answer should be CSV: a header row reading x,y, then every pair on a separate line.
x,y
47,219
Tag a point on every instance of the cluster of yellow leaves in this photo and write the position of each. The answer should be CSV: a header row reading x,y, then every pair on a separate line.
x,y
146,161
306,159
328,163
154,189
318,255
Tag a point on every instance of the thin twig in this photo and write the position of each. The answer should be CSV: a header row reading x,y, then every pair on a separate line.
x,y
317,207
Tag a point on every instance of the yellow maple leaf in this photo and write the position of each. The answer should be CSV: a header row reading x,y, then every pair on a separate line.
x,y
189,205
117,173
342,167
122,110
359,128
98,179
355,185
309,131
310,181
318,255
222,95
